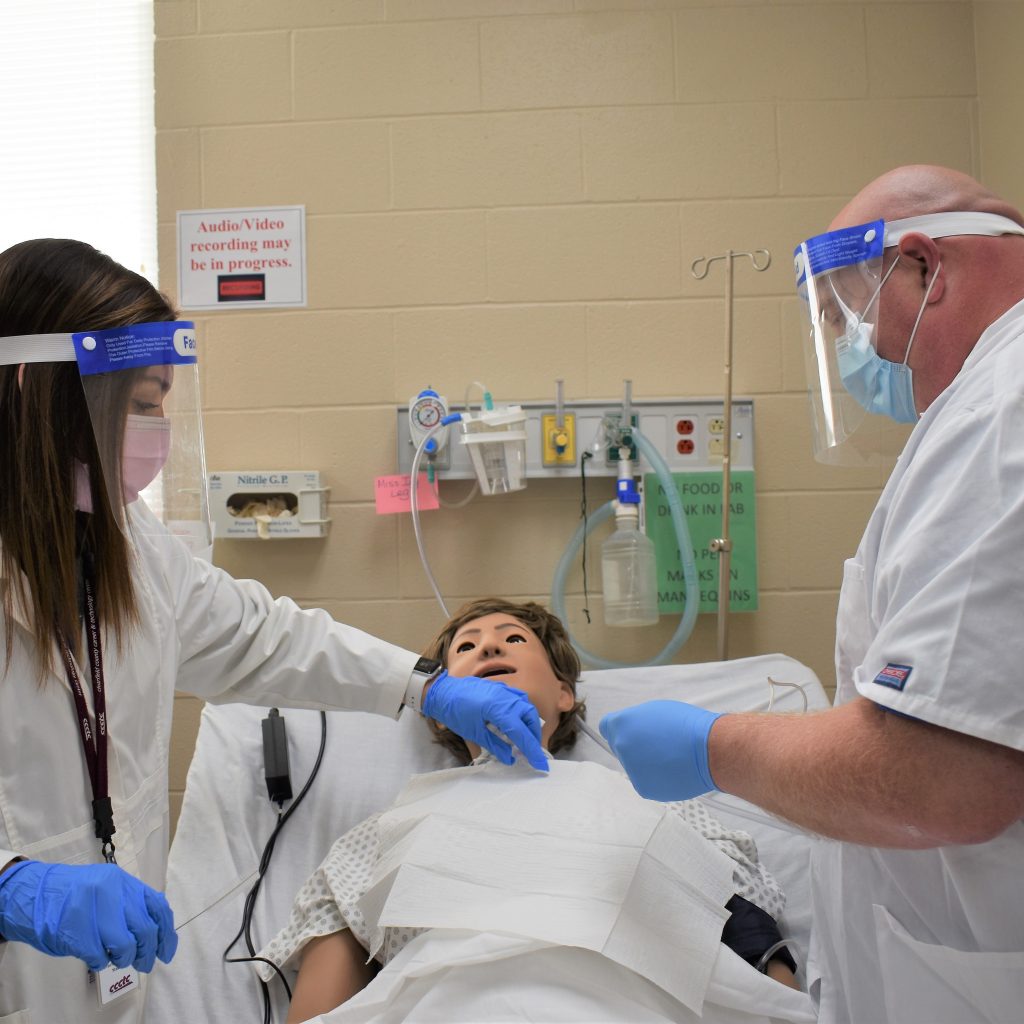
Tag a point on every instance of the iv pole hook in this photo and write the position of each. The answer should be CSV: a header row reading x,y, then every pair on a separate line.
x,y
760,260
763,254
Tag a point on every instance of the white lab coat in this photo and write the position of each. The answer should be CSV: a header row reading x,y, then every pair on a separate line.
x,y
205,633
937,936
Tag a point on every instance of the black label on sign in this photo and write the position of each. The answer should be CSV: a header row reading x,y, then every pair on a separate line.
x,y
241,287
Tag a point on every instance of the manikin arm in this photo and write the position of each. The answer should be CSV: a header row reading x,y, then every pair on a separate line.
x,y
333,970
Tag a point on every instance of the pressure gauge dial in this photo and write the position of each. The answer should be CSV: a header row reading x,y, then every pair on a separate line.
x,y
426,411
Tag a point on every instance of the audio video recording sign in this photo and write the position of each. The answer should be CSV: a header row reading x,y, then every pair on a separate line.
x,y
242,258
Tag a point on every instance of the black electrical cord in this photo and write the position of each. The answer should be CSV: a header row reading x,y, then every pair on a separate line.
x,y
250,897
583,516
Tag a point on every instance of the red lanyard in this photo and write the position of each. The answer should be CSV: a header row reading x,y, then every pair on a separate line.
x,y
94,742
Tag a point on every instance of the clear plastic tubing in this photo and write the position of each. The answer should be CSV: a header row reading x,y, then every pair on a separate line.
x,y
414,504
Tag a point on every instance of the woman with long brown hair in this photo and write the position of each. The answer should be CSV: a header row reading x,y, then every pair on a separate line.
x,y
104,613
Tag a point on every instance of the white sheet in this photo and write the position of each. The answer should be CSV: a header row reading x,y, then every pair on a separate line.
x,y
452,977
625,877
226,817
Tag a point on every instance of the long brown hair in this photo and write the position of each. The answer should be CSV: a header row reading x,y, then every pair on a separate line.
x,y
57,285
565,663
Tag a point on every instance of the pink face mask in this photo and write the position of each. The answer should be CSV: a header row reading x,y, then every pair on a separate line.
x,y
147,443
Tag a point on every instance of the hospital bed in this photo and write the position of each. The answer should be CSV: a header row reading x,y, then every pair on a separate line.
x,y
226,816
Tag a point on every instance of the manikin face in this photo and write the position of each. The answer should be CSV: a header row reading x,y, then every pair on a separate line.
x,y
500,647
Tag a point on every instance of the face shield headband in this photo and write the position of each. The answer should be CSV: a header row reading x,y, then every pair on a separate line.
x,y
141,389
856,395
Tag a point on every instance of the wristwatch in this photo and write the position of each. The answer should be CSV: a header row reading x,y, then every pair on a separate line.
x,y
425,670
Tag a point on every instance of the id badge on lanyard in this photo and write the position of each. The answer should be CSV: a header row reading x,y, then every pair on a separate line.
x,y
111,982
93,745
114,982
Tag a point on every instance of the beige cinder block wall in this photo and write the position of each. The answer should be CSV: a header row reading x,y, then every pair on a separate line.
x,y
998,27
513,191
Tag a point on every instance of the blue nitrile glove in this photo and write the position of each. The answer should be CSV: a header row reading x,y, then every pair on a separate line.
x,y
97,912
466,705
663,745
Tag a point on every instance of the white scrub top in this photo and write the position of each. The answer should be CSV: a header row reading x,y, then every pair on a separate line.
x,y
203,632
931,624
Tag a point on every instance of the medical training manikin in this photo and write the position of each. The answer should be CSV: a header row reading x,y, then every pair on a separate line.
x,y
479,885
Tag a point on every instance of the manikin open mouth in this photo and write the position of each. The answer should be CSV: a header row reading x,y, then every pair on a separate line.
x,y
496,670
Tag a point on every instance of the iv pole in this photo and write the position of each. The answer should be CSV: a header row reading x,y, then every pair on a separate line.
x,y
723,545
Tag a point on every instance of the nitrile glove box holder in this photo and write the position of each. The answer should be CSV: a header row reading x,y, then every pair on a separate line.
x,y
268,504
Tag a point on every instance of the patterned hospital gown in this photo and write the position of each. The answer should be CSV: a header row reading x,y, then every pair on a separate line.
x,y
327,902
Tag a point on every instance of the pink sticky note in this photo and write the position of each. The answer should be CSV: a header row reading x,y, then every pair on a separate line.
x,y
392,494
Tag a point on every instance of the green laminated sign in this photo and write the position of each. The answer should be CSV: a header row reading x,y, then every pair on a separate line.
x,y
701,496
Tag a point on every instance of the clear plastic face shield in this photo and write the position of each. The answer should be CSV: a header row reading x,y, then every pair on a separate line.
x,y
141,388
839,278
861,404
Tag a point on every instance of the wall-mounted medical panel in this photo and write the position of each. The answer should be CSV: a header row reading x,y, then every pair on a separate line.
x,y
689,433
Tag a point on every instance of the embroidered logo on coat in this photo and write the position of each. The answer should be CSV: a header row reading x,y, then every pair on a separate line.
x,y
894,676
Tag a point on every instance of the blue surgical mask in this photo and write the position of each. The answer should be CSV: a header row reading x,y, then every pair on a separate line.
x,y
879,385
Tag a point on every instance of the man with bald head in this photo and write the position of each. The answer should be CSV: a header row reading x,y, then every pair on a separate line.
x,y
985,271
915,298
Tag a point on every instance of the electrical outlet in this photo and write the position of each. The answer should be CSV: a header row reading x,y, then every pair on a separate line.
x,y
685,446
558,443
684,426
716,446
716,425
